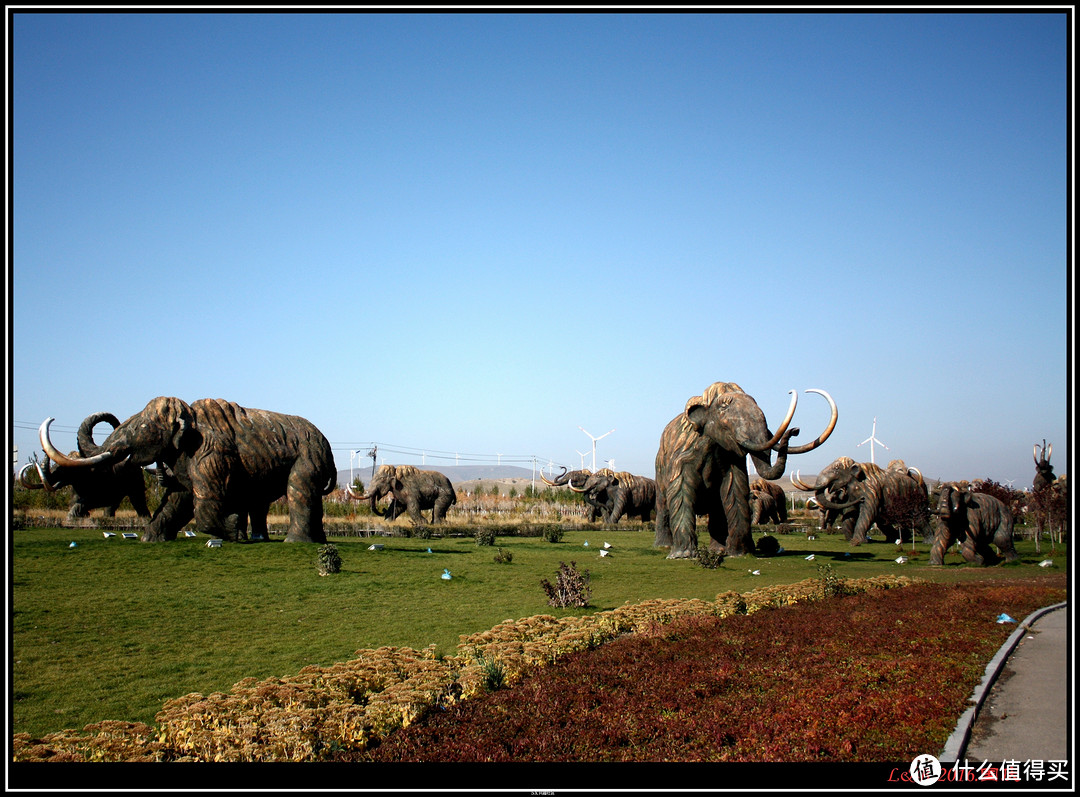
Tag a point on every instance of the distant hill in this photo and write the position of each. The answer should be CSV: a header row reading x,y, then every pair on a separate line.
x,y
455,473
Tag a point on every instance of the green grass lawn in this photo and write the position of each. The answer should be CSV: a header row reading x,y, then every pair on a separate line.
x,y
112,628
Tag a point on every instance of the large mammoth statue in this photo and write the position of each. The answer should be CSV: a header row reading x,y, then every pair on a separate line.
x,y
575,480
701,467
620,494
101,486
768,503
412,489
974,520
865,494
1048,500
221,462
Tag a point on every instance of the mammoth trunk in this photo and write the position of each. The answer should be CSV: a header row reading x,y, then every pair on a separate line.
x,y
826,503
373,502
767,470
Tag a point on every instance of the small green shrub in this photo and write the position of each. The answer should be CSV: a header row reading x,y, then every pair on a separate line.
x,y
832,585
493,672
504,557
553,533
329,560
571,587
485,536
709,559
767,545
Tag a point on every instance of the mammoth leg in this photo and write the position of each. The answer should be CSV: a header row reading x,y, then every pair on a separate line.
x,y
662,533
862,524
594,510
210,486
394,509
176,511
975,552
1003,539
735,497
211,518
942,540
442,506
619,507
413,506
683,523
257,513
235,525
305,510
138,501
978,543
78,510
646,512
718,530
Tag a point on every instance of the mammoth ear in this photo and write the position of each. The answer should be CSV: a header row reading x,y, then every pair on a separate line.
x,y
857,472
698,415
957,499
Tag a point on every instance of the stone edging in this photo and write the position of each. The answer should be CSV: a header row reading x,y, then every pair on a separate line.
x,y
957,742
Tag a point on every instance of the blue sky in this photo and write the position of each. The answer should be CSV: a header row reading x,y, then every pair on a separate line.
x,y
472,234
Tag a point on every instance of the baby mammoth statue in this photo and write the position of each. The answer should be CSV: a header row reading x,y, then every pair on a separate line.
x,y
410,489
975,520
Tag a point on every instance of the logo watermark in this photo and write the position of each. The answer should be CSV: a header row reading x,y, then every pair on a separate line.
x,y
926,770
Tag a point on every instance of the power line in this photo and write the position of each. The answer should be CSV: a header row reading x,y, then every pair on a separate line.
x,y
455,456
451,456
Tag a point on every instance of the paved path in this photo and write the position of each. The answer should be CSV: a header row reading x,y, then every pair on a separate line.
x,y
1025,715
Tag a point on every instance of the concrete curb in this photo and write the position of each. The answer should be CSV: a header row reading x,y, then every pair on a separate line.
x,y
957,742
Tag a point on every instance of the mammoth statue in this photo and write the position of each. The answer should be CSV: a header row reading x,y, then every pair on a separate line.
x,y
620,494
865,494
768,503
575,480
701,467
1044,471
104,485
221,462
974,520
411,490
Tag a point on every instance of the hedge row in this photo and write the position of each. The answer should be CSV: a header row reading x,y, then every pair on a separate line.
x,y
323,711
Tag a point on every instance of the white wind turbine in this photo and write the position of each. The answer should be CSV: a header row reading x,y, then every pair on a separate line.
x,y
594,439
871,440
582,455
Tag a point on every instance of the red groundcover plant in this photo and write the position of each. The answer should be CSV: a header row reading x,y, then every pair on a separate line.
x,y
879,676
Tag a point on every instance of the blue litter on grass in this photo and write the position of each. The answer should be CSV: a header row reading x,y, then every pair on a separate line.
x,y
446,575
73,545
1004,618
